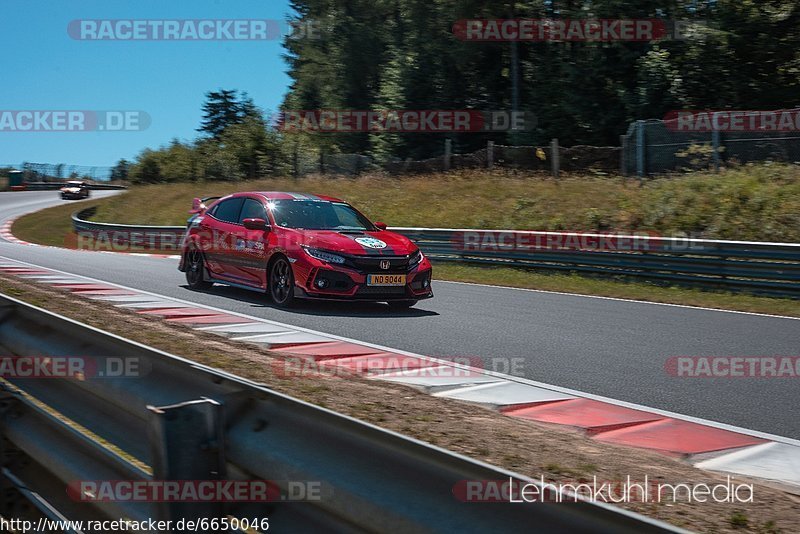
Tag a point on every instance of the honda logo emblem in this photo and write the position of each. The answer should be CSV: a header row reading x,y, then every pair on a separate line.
x,y
385,264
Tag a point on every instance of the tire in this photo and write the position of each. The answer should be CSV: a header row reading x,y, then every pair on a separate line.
x,y
281,283
401,304
195,267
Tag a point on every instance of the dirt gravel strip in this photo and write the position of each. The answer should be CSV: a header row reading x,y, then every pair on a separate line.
x,y
556,453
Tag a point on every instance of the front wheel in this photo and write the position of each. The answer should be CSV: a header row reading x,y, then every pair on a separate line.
x,y
195,267
281,283
401,304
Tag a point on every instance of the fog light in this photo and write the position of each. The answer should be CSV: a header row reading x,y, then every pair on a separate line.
x,y
322,283
425,283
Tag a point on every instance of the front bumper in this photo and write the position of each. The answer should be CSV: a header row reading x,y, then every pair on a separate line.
x,y
316,279
301,293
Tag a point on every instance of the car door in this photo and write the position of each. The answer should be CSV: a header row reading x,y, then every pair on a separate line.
x,y
251,245
219,228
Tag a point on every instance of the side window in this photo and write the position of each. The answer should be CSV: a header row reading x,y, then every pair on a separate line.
x,y
228,210
252,209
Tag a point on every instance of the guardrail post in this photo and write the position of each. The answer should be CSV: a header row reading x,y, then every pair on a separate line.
x,y
715,143
641,169
490,155
448,151
555,162
295,161
623,143
188,444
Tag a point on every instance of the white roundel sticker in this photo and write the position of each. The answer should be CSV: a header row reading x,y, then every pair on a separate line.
x,y
370,242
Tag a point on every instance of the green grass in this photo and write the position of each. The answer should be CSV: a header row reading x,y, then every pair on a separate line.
x,y
51,226
758,203
750,203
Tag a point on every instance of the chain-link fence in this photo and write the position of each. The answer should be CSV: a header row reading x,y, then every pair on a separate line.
x,y
578,158
703,140
50,172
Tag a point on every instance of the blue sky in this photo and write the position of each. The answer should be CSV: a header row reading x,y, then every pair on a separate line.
x,y
44,69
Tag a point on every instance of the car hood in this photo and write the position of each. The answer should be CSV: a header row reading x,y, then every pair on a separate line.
x,y
381,243
71,189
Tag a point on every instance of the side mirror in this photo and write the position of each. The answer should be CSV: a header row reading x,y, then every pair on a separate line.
x,y
380,225
255,224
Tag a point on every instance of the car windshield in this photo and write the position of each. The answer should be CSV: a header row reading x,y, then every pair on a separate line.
x,y
318,215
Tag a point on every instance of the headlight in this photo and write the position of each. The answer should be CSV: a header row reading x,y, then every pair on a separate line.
x,y
323,255
415,258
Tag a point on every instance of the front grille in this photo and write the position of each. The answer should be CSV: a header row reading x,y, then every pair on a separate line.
x,y
371,264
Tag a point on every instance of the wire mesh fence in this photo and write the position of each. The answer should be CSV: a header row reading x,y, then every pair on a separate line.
x,y
534,158
703,140
53,172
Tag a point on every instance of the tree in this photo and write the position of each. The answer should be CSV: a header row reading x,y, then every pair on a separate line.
x,y
120,171
147,169
224,108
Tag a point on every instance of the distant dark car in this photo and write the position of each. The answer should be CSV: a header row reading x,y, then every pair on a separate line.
x,y
75,189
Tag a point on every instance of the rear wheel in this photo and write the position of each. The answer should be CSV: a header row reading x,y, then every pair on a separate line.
x,y
401,304
281,283
195,267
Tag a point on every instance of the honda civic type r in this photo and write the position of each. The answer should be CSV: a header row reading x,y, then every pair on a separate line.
x,y
294,245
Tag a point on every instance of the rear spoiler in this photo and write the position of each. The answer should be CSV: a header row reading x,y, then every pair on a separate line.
x,y
199,204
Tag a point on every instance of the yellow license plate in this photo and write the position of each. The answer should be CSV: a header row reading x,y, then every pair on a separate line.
x,y
386,280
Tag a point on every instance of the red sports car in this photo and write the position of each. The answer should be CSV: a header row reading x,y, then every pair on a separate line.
x,y
294,245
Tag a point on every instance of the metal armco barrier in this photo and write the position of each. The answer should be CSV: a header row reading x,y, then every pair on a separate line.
x,y
765,268
54,186
178,420
162,238
755,267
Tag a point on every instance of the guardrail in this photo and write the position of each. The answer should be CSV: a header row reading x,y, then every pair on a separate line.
x,y
54,186
164,238
179,420
755,267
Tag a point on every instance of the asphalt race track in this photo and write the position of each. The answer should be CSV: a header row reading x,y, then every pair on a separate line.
x,y
606,347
